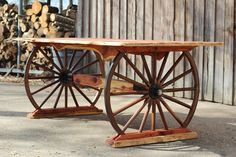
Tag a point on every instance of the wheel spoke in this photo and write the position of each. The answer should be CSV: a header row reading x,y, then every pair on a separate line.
x,y
162,67
58,96
177,78
153,115
50,60
154,68
39,90
53,91
129,105
130,80
146,68
176,101
134,116
80,59
86,66
136,70
83,94
72,59
172,68
46,68
171,112
58,57
73,96
144,118
179,89
129,93
65,59
66,96
42,77
162,114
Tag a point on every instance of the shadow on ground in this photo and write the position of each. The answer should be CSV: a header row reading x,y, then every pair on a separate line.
x,y
216,134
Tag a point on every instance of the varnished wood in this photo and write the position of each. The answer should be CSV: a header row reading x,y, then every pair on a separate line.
x,y
63,112
107,47
119,42
149,137
120,49
99,82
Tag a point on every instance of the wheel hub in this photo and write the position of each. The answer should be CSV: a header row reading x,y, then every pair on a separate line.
x,y
66,77
155,91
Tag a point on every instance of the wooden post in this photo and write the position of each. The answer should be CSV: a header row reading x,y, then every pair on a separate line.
x,y
79,19
209,53
20,11
188,37
179,29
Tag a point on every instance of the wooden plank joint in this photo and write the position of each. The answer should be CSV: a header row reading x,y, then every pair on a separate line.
x,y
151,137
64,112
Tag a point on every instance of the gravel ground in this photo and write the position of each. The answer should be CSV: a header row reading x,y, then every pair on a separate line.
x,y
85,136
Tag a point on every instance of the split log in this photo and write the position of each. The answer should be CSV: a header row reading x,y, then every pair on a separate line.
x,y
45,31
29,12
8,7
44,24
24,27
29,34
45,17
30,46
69,13
3,2
34,18
60,24
36,25
72,7
62,19
36,7
49,9
40,32
69,34
13,28
63,29
3,32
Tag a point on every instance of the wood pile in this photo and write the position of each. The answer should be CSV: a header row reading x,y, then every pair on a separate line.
x,y
42,20
8,31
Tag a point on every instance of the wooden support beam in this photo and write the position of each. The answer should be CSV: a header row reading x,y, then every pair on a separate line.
x,y
64,112
99,82
150,137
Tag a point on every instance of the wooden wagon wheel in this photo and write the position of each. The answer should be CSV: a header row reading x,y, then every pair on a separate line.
x,y
52,87
150,104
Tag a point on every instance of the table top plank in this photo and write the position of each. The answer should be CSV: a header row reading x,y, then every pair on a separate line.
x,y
120,42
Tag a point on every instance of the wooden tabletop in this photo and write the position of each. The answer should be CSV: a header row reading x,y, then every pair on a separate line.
x,y
119,42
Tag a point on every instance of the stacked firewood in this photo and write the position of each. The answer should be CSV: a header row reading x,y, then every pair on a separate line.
x,y
42,20
8,31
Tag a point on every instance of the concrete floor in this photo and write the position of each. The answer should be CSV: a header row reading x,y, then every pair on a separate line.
x,y
85,136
